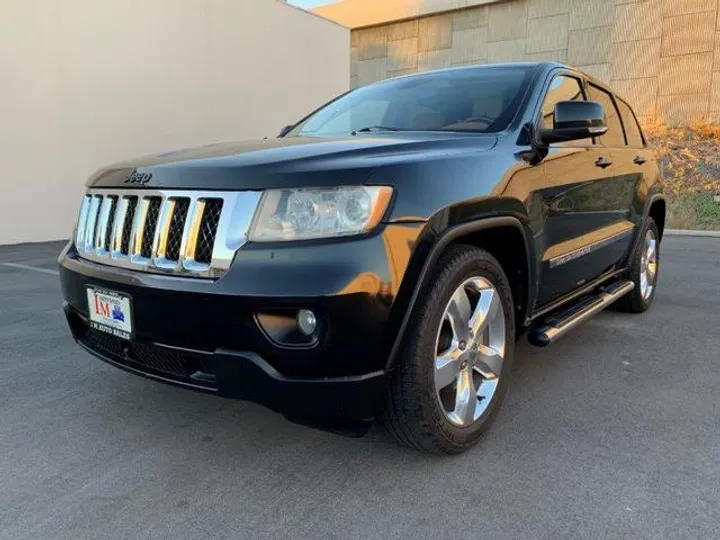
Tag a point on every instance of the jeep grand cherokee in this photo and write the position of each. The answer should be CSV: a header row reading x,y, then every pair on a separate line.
x,y
380,257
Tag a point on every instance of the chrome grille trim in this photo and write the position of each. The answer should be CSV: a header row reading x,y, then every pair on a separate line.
x,y
82,222
91,223
102,224
101,219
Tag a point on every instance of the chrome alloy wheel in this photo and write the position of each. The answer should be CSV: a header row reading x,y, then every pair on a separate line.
x,y
469,351
648,265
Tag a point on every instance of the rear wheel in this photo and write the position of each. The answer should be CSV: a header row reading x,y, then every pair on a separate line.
x,y
644,270
455,362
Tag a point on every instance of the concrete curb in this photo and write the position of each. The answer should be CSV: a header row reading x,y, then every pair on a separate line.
x,y
680,232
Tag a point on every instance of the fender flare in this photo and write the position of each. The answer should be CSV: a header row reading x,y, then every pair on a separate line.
x,y
646,212
444,240
652,200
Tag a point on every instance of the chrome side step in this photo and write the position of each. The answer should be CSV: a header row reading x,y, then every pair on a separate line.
x,y
560,323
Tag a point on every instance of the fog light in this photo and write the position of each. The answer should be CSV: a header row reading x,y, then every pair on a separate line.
x,y
306,321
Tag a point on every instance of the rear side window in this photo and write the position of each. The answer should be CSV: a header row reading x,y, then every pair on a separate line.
x,y
562,88
632,129
614,136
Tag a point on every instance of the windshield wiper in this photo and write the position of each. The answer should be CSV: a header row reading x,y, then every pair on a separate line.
x,y
370,129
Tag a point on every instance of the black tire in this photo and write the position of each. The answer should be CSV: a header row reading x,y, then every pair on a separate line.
x,y
412,412
634,301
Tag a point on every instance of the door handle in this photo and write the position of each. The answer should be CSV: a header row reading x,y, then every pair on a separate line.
x,y
639,160
603,163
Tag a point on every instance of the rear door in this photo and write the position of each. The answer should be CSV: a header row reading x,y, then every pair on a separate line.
x,y
638,159
587,198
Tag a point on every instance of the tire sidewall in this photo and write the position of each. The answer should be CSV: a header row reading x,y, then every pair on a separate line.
x,y
488,268
637,264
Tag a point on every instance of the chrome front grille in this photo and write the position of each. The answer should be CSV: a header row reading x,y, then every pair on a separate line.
x,y
170,231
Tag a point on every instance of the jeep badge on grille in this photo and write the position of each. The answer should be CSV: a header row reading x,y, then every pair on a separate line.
x,y
138,178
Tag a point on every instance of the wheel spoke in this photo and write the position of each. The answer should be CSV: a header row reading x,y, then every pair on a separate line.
x,y
465,398
447,367
485,311
485,393
489,362
651,251
651,269
458,312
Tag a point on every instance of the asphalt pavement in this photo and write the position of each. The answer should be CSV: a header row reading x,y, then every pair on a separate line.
x,y
612,433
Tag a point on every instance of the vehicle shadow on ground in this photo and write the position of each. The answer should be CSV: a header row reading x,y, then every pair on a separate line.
x,y
156,410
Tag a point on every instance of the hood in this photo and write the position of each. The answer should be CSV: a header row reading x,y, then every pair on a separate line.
x,y
289,162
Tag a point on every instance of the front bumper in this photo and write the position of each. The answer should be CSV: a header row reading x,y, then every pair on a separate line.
x,y
237,374
203,334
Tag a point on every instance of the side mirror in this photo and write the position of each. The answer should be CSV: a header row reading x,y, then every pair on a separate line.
x,y
284,131
575,120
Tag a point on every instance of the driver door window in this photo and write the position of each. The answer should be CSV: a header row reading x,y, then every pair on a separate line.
x,y
562,88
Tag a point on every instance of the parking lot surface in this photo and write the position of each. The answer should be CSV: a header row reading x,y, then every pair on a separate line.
x,y
614,432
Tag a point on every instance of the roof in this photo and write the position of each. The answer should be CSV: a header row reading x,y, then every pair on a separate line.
x,y
546,65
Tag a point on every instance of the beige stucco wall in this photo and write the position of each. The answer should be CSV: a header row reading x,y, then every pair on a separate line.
x,y
86,82
662,55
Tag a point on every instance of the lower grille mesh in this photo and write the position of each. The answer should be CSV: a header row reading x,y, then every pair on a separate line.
x,y
151,359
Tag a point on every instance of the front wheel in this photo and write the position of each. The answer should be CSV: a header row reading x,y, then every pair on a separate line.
x,y
455,362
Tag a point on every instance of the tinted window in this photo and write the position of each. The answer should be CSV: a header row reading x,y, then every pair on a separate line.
x,y
484,100
614,136
632,129
562,88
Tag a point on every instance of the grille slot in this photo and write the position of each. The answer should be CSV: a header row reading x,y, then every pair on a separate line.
x,y
151,221
178,232
208,230
111,222
177,226
127,226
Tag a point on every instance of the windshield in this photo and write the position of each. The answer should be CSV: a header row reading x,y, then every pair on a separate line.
x,y
480,99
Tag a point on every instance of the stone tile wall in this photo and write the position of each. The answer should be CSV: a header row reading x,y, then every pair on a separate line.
x,y
662,55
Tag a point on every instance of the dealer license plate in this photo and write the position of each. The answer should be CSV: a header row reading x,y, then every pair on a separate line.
x,y
110,312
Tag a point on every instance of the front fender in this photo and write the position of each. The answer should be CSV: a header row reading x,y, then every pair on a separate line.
x,y
429,247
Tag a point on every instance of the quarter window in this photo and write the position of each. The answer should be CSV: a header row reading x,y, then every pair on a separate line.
x,y
614,136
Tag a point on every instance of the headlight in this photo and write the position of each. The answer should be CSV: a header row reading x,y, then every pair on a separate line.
x,y
300,214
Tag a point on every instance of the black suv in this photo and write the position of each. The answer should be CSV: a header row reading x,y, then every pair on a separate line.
x,y
380,257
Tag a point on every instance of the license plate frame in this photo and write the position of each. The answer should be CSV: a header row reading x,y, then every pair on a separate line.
x,y
110,312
